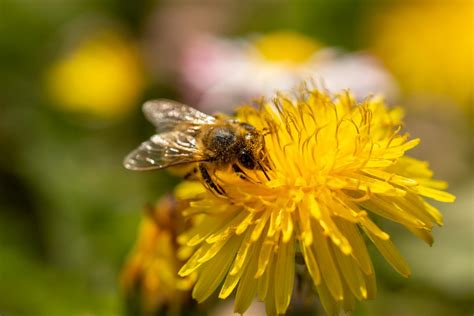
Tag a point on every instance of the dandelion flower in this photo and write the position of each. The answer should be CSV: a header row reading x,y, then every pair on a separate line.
x,y
335,164
151,269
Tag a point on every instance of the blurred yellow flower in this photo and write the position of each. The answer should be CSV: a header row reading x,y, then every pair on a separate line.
x,y
286,46
102,76
335,164
152,266
428,45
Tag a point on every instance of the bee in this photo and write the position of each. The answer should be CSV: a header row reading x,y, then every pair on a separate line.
x,y
185,136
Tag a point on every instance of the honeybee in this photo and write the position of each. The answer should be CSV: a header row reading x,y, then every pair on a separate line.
x,y
185,135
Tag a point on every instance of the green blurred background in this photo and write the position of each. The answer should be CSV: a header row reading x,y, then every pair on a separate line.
x,y
68,209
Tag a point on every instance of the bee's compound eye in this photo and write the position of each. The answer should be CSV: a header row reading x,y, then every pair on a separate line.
x,y
246,160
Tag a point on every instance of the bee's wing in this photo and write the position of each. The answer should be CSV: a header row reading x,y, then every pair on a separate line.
x,y
164,150
169,115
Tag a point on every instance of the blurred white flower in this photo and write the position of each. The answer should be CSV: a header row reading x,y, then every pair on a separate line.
x,y
220,73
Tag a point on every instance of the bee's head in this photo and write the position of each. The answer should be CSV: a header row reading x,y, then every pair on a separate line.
x,y
252,154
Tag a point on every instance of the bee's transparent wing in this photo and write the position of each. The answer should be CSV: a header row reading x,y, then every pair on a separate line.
x,y
169,115
164,150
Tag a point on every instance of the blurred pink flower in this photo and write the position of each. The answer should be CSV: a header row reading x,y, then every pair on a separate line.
x,y
220,73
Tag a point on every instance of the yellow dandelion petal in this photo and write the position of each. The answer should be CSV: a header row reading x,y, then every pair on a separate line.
x,y
422,234
328,302
212,274
269,299
373,229
227,225
241,255
411,205
213,250
332,166
266,253
285,268
328,266
311,263
360,252
388,250
193,263
304,211
237,269
198,233
435,194
352,274
248,285
391,211
371,285
260,225
264,283
434,213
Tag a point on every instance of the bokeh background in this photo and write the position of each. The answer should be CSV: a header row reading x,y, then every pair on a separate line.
x,y
74,74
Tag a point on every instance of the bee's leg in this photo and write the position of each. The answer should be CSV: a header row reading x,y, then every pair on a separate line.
x,y
245,176
192,175
209,182
240,172
263,169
